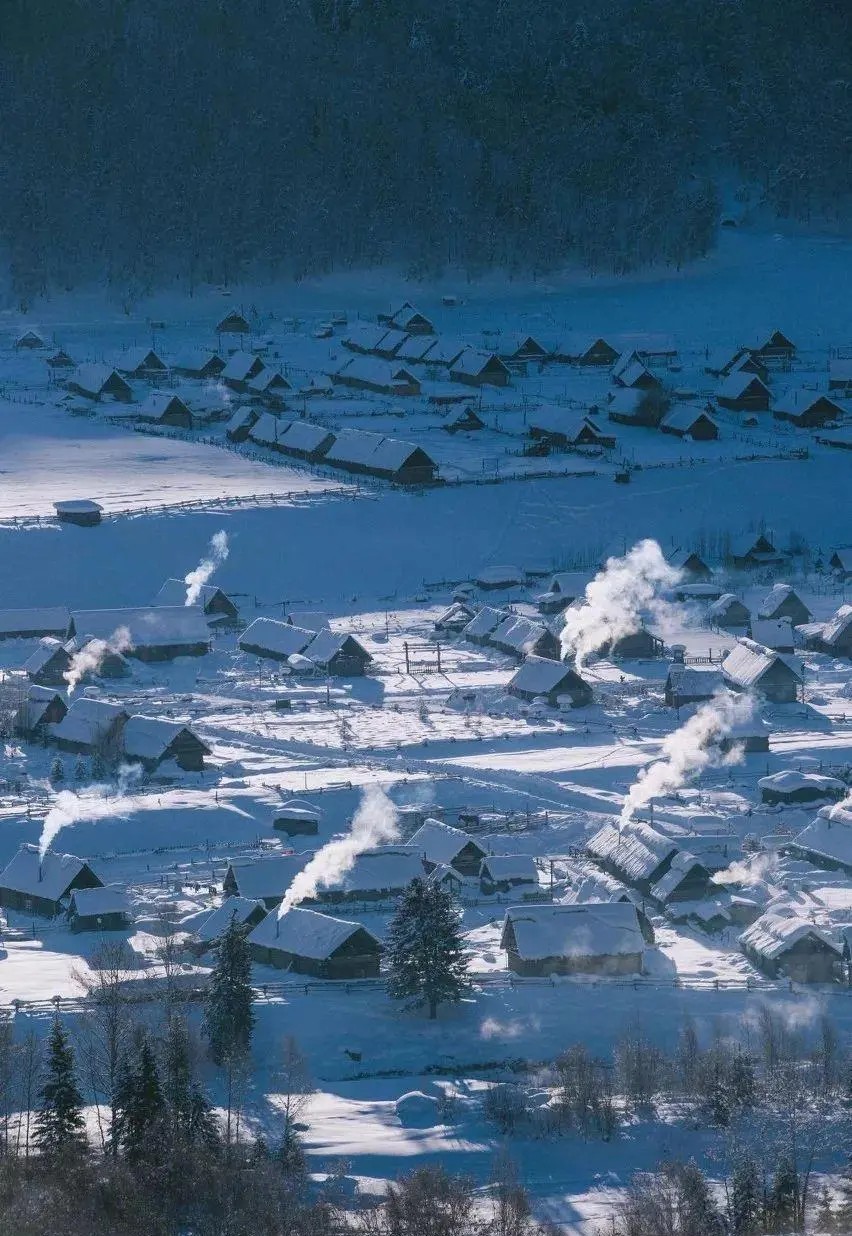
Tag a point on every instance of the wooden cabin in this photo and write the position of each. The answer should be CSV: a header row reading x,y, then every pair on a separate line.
x,y
40,708
773,346
233,323
153,741
199,364
787,946
99,909
807,409
297,818
550,680
440,843
793,788
579,349
476,368
500,874
165,408
307,942
753,550
49,663
596,937
784,602
751,667
141,363
686,684
641,645
89,725
31,884
264,879
728,611
687,879
218,607
154,632
338,655
690,564
244,911
634,853
685,421
742,391
100,382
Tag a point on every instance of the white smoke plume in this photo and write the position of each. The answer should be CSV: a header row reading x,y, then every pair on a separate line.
x,y
203,573
90,658
98,802
375,822
750,874
615,599
689,750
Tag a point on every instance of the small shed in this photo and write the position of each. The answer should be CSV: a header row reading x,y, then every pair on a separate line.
x,y
440,843
585,349
505,873
755,550
728,611
686,684
141,363
40,708
751,667
217,605
476,368
785,945
742,391
467,420
456,618
60,359
199,364
233,323
80,511
791,787
690,563
99,909
165,408
155,632
265,879
100,382
35,885
686,421
49,663
152,741
594,937
89,725
337,654
246,912
543,678
29,340
308,942
297,818
784,602
240,369
807,409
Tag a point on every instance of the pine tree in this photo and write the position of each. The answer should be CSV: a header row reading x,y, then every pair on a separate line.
x,y
427,964
80,769
228,1016
57,771
141,1108
746,1202
59,1124
189,1113
784,1197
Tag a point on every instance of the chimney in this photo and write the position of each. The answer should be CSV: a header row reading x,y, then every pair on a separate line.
x,y
678,653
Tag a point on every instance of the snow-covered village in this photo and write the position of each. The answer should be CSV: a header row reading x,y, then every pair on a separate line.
x,y
426,716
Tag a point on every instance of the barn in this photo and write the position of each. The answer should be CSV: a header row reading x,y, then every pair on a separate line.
x,y
99,909
141,363
307,942
634,853
807,409
751,667
297,818
553,681
34,885
728,611
687,685
782,601
233,323
686,421
368,373
595,937
89,725
441,844
792,787
218,607
273,639
33,623
40,708
476,368
152,741
378,874
198,364
100,382
265,879
49,663
788,946
337,654
156,632
240,369
506,873
580,349
244,911
164,408
755,550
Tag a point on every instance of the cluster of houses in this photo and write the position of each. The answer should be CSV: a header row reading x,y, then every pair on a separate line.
x,y
306,645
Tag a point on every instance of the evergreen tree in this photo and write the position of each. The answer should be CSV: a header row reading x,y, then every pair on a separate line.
x,y
141,1108
784,1196
59,1124
57,771
746,1202
427,964
190,1116
80,769
228,1015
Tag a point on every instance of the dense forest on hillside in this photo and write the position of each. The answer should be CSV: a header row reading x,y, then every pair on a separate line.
x,y
144,139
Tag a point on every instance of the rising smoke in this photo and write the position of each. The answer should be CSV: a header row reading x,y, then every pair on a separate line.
x,y
90,658
689,750
98,802
375,822
615,600
203,573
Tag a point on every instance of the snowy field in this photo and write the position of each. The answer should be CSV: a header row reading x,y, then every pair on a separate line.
x,y
383,564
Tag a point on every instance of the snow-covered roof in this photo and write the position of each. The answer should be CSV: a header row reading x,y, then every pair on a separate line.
x,y
173,592
383,869
148,738
268,378
270,876
91,902
440,842
306,933
39,620
791,780
636,850
631,374
364,336
297,809
683,416
35,706
48,878
407,315
87,721
510,867
774,933
279,637
136,358
519,633
484,622
327,644
682,864
304,436
157,404
837,625
195,358
686,680
541,676
747,663
391,341
244,416
93,378
232,909
775,598
589,929
567,422
840,369
373,370
269,430
772,632
445,351
150,626
240,365
626,400
77,506
737,383
472,362
418,348
577,343
720,607
308,619
573,583
829,836
44,653
796,401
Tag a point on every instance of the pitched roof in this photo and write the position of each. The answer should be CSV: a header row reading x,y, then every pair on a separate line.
x,y
636,849
797,401
327,644
440,842
308,619
510,867
748,662
173,592
44,654
518,633
686,680
682,864
91,902
304,436
269,430
791,780
588,929
232,909
279,637
775,598
297,809
157,404
828,836
383,869
50,619
136,358
737,383
48,878
34,708
542,676
270,876
484,622
93,378
148,738
772,632
87,720
684,416
837,625
149,626
774,933
720,607
306,933
240,365
472,362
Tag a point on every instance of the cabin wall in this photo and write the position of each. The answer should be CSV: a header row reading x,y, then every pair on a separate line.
x,y
623,963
